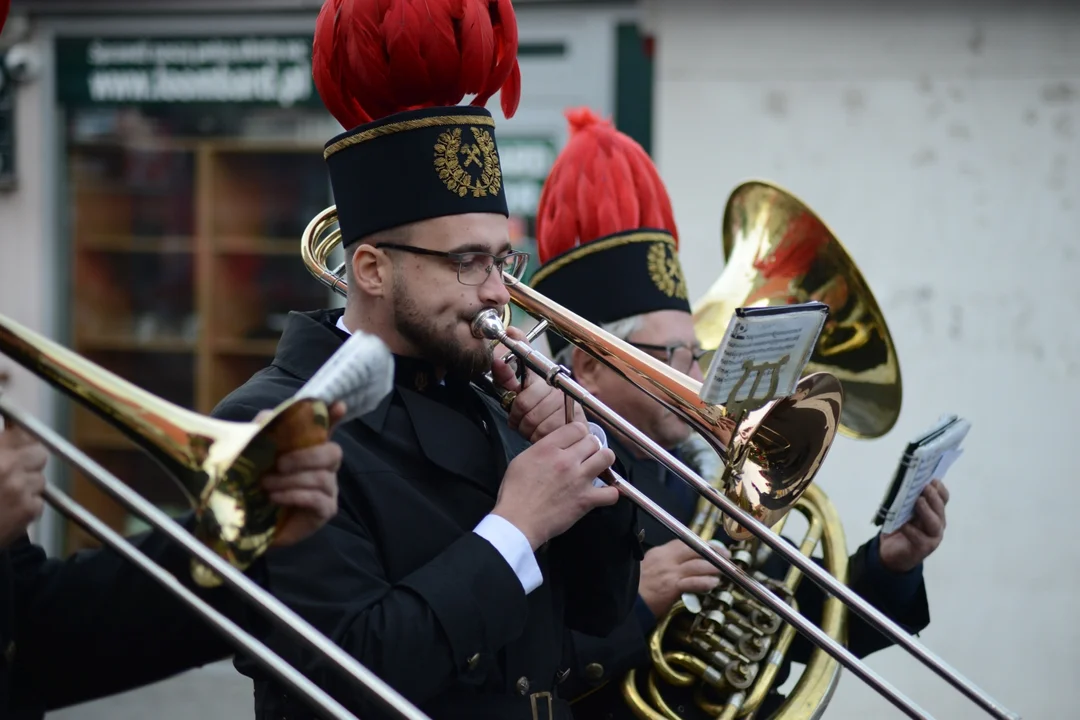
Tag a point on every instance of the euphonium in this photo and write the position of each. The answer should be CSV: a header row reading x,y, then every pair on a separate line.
x,y
722,653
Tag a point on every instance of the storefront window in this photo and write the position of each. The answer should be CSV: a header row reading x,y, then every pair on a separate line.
x,y
183,224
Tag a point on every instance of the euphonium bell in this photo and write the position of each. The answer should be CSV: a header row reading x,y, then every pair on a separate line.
x,y
217,463
779,252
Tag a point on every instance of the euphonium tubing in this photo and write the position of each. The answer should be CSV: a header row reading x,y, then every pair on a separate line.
x,y
726,662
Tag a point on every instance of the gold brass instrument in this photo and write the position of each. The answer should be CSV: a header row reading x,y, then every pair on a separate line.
x,y
770,456
218,464
724,658
777,251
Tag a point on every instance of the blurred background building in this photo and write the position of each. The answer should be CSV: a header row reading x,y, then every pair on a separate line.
x,y
159,160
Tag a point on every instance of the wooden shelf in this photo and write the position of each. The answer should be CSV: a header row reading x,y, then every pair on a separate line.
x,y
232,245
124,343
135,244
237,346
186,256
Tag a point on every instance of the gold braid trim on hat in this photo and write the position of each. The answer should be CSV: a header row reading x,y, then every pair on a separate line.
x,y
598,246
404,126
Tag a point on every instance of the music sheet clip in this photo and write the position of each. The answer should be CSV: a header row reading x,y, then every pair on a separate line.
x,y
927,457
763,354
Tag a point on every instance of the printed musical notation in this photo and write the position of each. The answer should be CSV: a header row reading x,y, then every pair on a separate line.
x,y
763,353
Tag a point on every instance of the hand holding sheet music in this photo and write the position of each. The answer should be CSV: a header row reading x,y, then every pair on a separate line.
x,y
927,457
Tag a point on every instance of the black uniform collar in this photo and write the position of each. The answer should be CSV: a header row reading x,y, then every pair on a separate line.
x,y
310,338
421,377
308,341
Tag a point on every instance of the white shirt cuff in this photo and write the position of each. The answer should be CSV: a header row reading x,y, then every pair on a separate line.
x,y
515,549
599,434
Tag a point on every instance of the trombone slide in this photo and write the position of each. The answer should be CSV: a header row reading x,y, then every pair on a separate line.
x,y
269,605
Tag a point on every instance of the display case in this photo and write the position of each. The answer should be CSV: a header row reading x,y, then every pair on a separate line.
x,y
184,262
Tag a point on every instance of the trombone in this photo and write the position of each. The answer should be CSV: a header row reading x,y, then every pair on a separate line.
x,y
218,465
759,445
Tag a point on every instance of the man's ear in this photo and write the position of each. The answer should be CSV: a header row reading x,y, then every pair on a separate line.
x,y
370,270
586,369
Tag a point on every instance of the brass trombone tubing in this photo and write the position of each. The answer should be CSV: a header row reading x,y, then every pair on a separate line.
x,y
650,376
270,661
488,325
273,608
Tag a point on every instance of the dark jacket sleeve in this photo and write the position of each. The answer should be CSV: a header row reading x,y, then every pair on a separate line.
x,y
445,622
94,624
900,596
600,557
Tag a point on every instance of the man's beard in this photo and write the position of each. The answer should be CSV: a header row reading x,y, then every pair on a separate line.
x,y
435,345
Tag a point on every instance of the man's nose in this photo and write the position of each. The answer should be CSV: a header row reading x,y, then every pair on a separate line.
x,y
493,290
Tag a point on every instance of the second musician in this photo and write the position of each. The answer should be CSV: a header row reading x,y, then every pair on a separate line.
x,y
605,213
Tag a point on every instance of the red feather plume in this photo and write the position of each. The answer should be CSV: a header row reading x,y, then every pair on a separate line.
x,y
602,183
374,58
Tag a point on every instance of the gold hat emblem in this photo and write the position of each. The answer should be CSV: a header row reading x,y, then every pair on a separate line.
x,y
468,167
665,270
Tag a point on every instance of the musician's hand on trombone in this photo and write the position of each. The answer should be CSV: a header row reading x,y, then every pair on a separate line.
x,y
304,482
538,408
674,568
549,486
903,550
22,480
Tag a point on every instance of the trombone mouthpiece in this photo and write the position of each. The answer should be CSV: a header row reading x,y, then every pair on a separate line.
x,y
487,325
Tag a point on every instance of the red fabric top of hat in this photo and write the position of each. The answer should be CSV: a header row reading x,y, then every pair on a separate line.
x,y
5,5
602,183
374,58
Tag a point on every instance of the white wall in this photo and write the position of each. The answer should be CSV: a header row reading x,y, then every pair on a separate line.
x,y
27,260
942,147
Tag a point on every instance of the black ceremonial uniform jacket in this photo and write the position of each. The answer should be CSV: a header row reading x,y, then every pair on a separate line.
x,y
93,625
600,664
398,578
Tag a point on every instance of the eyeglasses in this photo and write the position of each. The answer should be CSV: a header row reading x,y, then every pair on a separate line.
x,y
679,357
473,268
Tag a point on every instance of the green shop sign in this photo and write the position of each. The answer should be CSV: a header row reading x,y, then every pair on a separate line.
x,y
273,71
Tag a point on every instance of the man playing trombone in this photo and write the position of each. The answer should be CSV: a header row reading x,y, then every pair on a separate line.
x,y
470,539
624,229
94,625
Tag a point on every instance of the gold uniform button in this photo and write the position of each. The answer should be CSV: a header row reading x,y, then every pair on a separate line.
x,y
594,671
522,685
641,535
9,652
474,661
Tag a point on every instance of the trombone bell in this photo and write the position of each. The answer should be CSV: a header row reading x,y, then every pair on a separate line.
x,y
216,463
779,252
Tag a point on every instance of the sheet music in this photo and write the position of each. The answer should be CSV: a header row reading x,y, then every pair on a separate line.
x,y
763,336
927,458
360,372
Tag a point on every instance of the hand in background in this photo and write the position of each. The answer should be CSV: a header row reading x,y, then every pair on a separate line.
x,y
22,479
920,536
